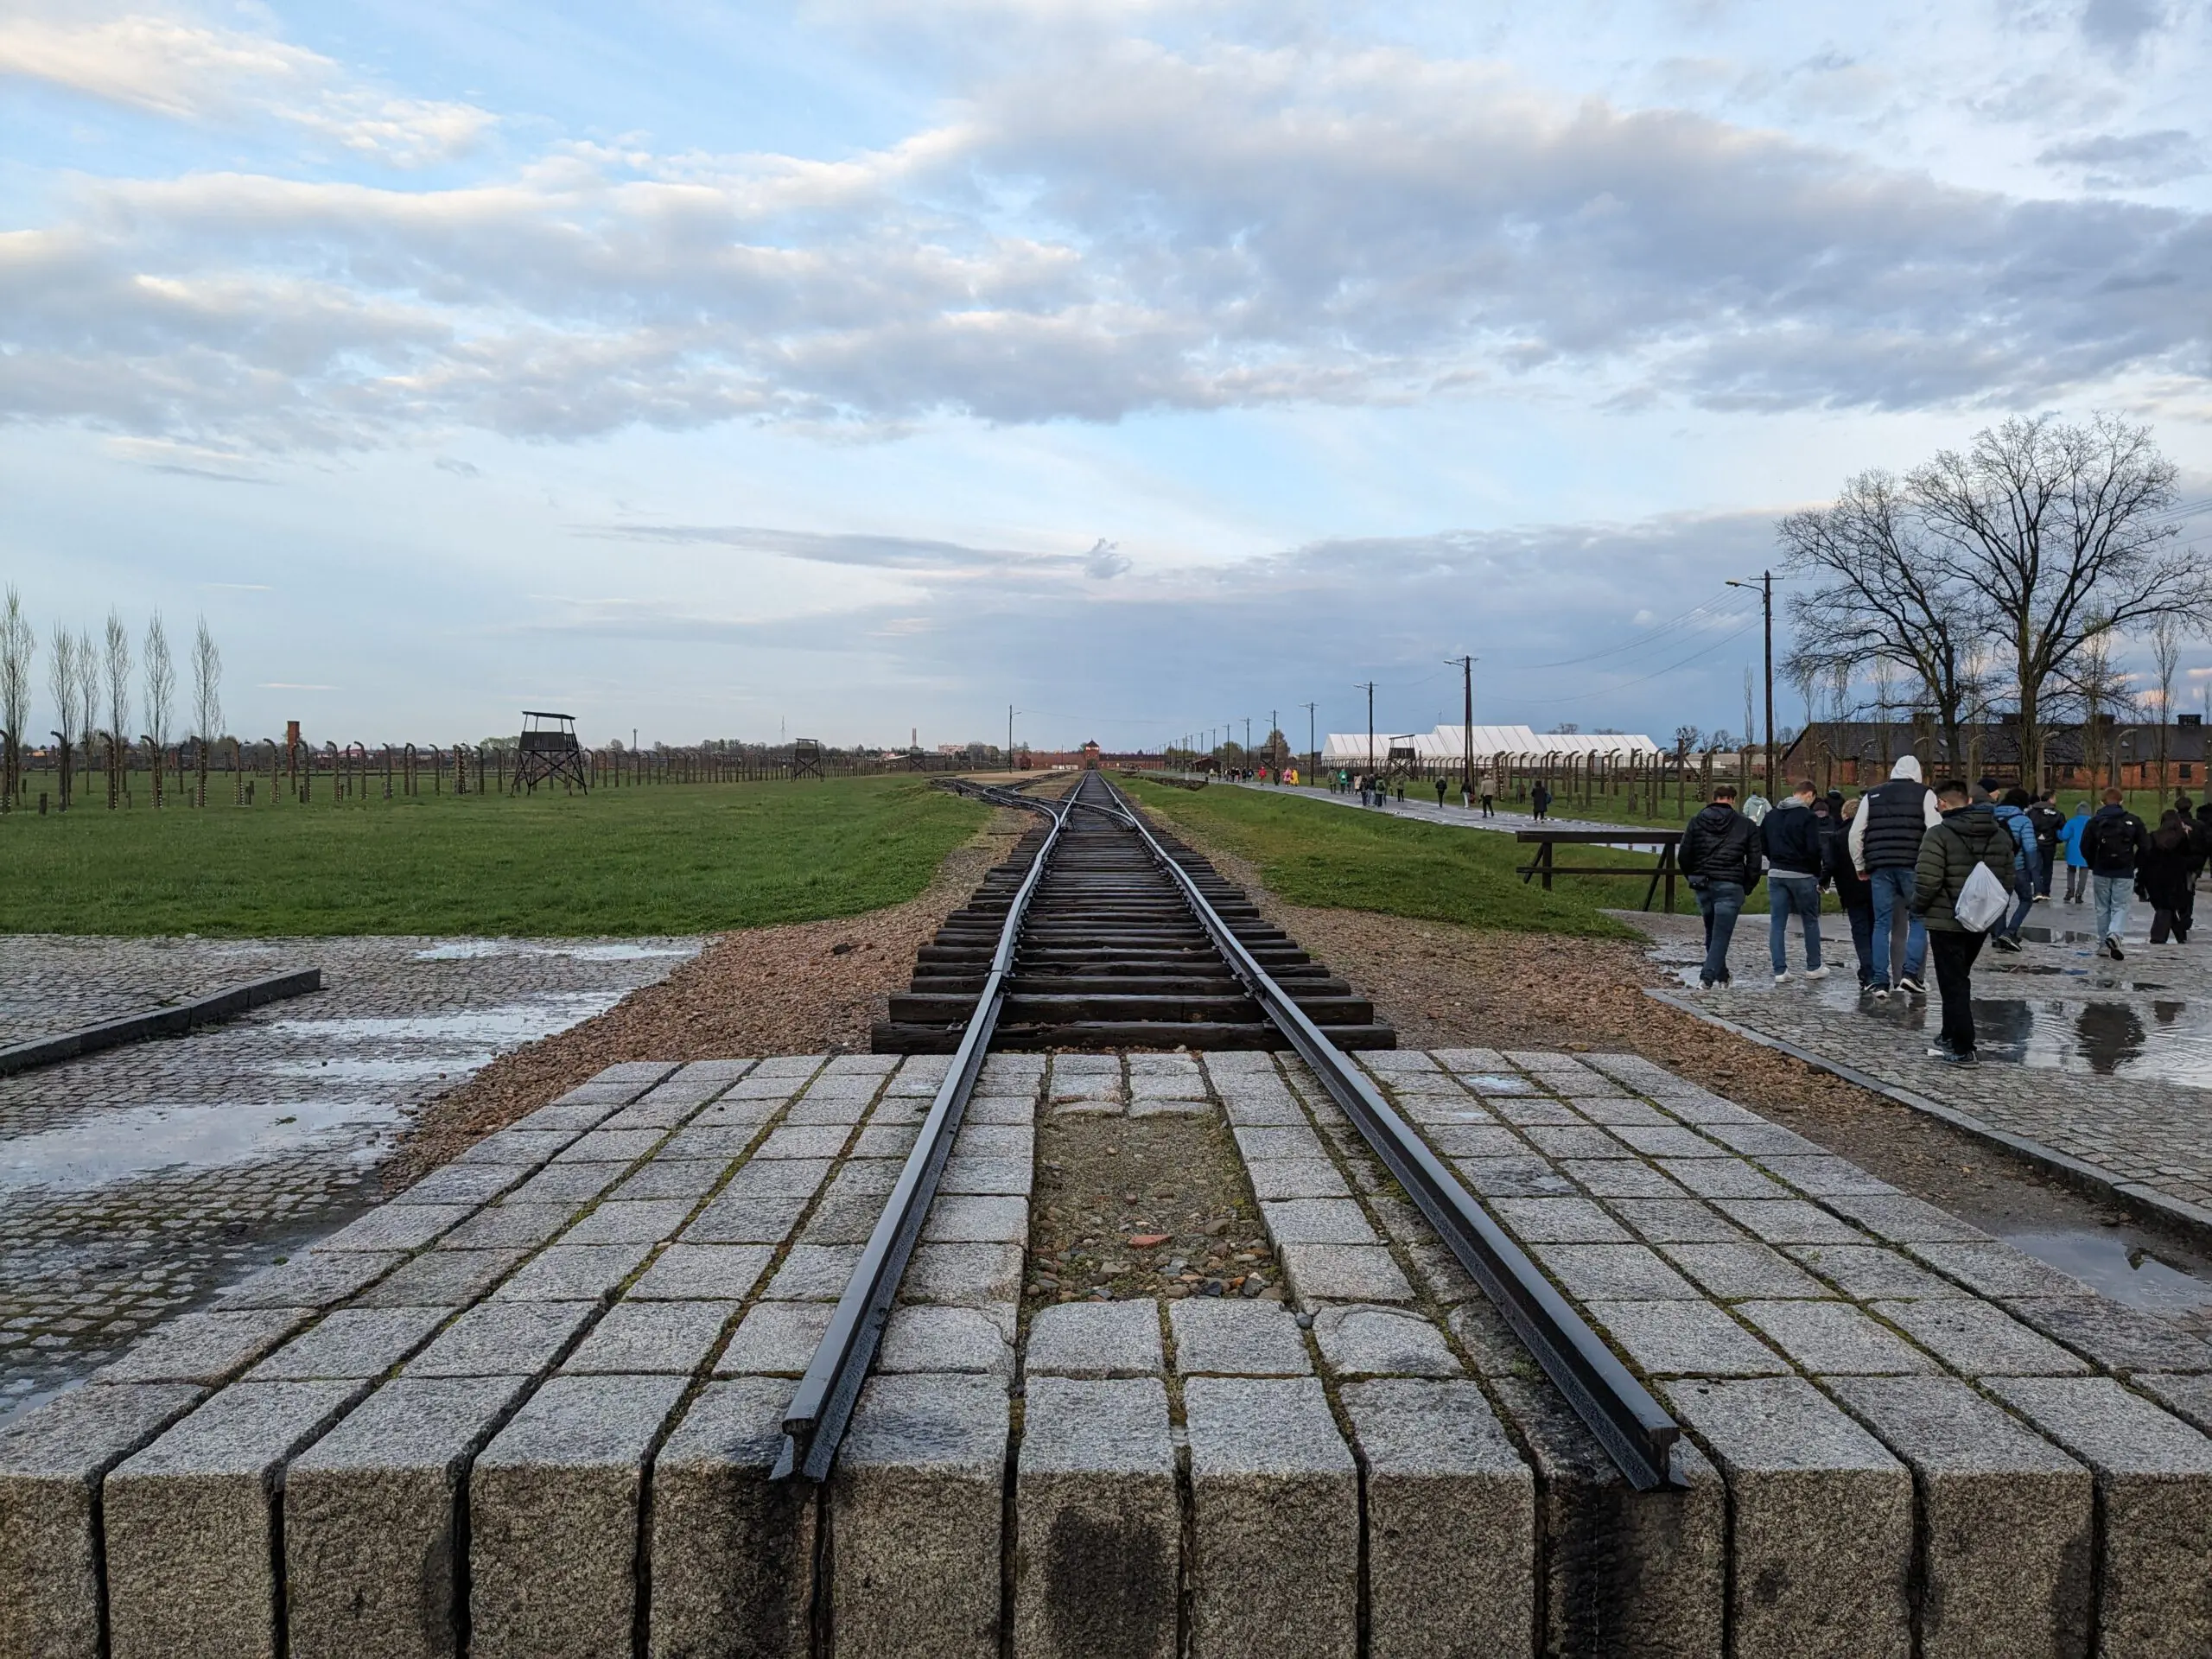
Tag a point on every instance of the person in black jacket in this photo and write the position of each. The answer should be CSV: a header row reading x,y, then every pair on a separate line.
x,y
1851,889
2048,820
1968,835
1720,858
2161,878
1791,835
1539,801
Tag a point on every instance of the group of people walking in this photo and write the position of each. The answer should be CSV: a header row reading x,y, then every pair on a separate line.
x,y
1903,859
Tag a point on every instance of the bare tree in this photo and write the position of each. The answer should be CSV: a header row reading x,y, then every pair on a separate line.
x,y
61,681
18,645
206,697
160,695
86,663
2103,693
1878,597
2165,655
2057,532
116,663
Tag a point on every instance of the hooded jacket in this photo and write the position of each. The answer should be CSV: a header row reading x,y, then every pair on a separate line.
x,y
1721,844
2028,860
1960,840
1892,819
2113,840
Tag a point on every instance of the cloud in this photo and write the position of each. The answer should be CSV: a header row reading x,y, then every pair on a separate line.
x,y
458,468
186,71
1208,226
2121,26
2130,161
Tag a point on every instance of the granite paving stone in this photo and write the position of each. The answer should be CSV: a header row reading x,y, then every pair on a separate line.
x,y
1096,1574
188,1524
964,1275
705,1272
1835,1340
1104,1339
1451,1517
814,1272
554,1512
731,1550
351,1343
520,1226
1821,1538
1237,1338
1343,1272
1685,1338
1271,1481
373,1527
2154,1477
564,1185
563,1273
1733,1272
51,1462
917,1500
642,1338
310,1280
775,1337
672,1178
441,1279
206,1347
647,1222
1360,1341
2006,1520
950,1340
1978,1339
498,1338
2117,1339
1867,1271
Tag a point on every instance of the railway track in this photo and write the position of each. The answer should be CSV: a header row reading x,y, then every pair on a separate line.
x,y
1101,933
1111,956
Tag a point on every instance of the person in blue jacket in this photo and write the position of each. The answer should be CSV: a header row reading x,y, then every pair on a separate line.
x,y
2027,858
2077,864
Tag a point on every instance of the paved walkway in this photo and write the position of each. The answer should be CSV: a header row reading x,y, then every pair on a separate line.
x,y
2107,1063
135,1182
1422,805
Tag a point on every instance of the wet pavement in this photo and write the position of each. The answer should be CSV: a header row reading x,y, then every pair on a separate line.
x,y
2109,1064
136,1182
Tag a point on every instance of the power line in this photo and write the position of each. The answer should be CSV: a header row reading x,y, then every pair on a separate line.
x,y
1622,686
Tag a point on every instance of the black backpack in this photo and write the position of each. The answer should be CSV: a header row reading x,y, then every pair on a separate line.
x,y
2108,843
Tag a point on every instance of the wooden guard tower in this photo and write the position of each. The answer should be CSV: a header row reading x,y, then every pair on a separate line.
x,y
806,757
548,750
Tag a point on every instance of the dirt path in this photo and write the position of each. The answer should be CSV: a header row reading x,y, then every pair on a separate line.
x,y
805,988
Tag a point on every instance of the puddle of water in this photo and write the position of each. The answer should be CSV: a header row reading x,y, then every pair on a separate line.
x,y
132,1141
459,1062
499,1027
2108,1261
470,950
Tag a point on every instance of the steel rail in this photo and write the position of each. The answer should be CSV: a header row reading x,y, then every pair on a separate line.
x,y
1633,1428
814,1422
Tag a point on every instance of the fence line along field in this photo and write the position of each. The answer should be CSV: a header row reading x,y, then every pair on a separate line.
x,y
671,858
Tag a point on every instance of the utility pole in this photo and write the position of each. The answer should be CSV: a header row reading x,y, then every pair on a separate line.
x,y
1313,745
1248,740
1765,585
1369,687
1010,712
1466,667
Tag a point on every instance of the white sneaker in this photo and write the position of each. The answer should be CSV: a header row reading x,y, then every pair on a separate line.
x,y
1781,978
1817,973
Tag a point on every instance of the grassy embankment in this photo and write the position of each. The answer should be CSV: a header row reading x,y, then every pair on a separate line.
x,y
1328,856
677,859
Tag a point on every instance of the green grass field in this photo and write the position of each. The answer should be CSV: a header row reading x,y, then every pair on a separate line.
x,y
677,859
1313,853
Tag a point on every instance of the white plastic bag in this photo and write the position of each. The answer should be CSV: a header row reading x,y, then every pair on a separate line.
x,y
1983,901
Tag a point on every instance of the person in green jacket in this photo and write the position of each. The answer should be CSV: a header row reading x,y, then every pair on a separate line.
x,y
1965,836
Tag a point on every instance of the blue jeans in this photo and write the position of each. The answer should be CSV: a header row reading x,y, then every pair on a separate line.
x,y
1788,896
2115,894
1720,903
1892,891
2024,888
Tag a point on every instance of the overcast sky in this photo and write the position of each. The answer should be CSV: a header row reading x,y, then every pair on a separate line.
x,y
852,368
